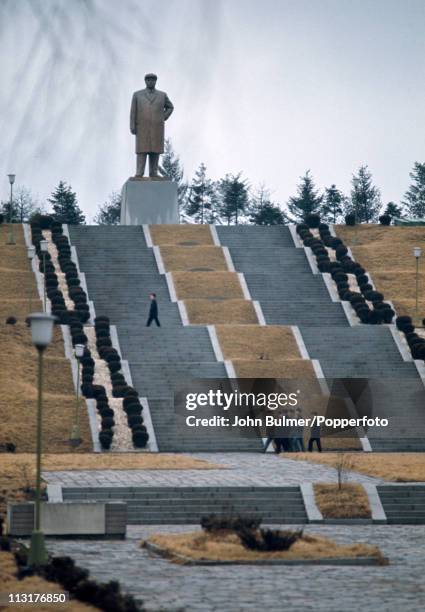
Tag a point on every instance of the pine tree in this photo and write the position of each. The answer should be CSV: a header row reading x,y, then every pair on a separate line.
x,y
65,206
202,200
173,169
262,210
414,198
365,197
307,201
110,212
234,197
332,206
393,210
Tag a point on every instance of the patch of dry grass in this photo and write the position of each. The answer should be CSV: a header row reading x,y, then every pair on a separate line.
x,y
290,368
396,467
189,259
271,342
184,235
387,254
210,312
33,584
226,546
207,285
349,501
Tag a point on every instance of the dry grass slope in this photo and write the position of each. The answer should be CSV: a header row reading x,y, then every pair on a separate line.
x,y
207,285
190,259
18,364
387,254
210,312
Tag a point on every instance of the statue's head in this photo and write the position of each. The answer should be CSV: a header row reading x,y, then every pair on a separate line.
x,y
150,80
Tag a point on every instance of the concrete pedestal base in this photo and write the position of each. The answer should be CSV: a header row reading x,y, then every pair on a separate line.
x,y
149,201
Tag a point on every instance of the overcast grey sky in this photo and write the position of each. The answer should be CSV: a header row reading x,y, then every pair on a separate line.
x,y
268,88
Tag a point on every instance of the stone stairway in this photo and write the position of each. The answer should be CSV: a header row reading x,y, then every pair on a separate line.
x,y
121,271
279,277
403,504
187,505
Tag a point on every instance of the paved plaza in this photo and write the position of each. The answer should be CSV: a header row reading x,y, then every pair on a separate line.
x,y
170,587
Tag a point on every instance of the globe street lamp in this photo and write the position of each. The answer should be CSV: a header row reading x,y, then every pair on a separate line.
x,y
11,239
417,252
75,438
44,245
41,335
30,255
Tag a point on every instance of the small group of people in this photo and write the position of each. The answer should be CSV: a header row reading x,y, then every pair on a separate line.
x,y
290,438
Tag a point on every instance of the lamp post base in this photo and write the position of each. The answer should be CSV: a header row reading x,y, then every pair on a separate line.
x,y
75,439
38,554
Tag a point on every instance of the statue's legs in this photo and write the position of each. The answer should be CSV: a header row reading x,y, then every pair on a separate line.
x,y
141,163
153,164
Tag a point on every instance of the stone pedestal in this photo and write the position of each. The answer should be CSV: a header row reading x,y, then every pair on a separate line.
x,y
149,201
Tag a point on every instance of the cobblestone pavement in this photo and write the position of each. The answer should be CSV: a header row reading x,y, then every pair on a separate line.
x,y
169,587
244,469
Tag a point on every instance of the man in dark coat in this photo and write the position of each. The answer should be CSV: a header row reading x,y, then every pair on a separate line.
x,y
153,311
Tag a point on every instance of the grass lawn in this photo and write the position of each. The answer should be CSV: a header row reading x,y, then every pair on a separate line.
x,y
207,285
211,312
189,259
184,235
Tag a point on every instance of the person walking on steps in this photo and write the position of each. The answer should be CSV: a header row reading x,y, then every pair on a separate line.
x,y
314,437
153,311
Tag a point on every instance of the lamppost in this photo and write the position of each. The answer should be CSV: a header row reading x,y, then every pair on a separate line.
x,y
75,438
41,335
417,252
356,183
44,245
11,239
30,255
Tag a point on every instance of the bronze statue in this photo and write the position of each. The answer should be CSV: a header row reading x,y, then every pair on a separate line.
x,y
150,108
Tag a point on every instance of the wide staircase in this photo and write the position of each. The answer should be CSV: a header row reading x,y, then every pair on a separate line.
x,y
279,277
403,504
187,505
121,271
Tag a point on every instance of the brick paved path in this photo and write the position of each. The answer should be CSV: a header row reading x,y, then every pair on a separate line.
x,y
244,469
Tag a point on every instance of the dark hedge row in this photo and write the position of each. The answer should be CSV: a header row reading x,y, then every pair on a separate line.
x,y
339,270
131,403
415,342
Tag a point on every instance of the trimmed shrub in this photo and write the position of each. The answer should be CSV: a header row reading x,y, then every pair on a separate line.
x,y
134,419
350,219
107,422
341,251
312,220
140,438
385,219
374,296
105,439
106,412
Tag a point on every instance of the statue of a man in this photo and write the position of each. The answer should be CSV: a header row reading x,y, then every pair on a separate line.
x,y
150,108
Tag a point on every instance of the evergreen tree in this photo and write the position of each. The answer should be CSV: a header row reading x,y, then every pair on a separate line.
x,y
110,212
234,197
393,210
173,169
332,206
263,211
414,198
307,201
365,197
202,200
65,206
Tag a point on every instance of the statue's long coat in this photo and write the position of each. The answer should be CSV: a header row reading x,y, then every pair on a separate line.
x,y
147,116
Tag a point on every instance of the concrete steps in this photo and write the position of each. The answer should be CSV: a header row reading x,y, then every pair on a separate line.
x,y
187,505
403,504
120,272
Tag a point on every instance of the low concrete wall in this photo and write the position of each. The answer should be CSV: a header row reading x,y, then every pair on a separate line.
x,y
69,519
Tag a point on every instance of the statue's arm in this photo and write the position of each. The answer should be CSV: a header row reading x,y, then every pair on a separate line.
x,y
133,114
168,107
